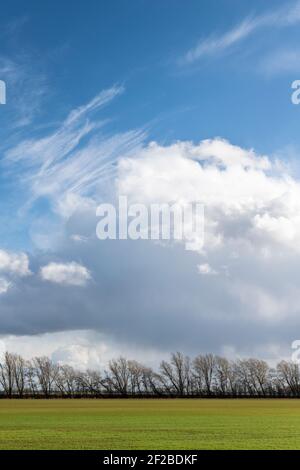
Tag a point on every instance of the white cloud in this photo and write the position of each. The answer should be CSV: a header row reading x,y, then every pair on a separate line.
x,y
252,221
71,202
206,269
79,238
252,227
252,242
244,197
69,273
14,263
82,349
4,285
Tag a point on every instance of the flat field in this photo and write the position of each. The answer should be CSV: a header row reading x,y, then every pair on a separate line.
x,y
150,424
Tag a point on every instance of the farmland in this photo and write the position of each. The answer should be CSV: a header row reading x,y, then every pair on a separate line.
x,y
150,424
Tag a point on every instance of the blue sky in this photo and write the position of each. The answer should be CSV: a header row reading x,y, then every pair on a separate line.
x,y
77,52
216,73
64,56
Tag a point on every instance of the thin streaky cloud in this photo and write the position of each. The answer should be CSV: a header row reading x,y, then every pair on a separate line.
x,y
60,163
218,44
213,45
99,101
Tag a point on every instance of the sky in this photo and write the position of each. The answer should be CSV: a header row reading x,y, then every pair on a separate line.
x,y
158,101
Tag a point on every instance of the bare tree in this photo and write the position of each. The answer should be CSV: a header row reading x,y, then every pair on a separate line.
x,y
207,375
289,377
152,382
258,375
31,378
244,378
224,376
7,376
136,376
119,375
203,369
66,380
19,372
46,372
175,375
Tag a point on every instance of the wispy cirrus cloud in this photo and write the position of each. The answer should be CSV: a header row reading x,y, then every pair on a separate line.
x,y
71,163
218,44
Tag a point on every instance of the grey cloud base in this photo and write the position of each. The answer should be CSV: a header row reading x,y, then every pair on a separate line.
x,y
151,295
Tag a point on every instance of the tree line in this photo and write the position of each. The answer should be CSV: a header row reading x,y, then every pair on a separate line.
x,y
203,376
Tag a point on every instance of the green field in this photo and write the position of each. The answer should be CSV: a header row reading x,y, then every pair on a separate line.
x,y
150,424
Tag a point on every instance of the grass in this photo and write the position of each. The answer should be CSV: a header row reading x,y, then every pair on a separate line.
x,y
150,424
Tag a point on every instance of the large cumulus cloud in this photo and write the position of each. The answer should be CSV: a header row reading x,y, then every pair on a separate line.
x,y
239,291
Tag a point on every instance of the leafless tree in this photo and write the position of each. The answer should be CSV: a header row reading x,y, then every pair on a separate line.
x,y
66,380
46,372
89,382
206,375
119,375
136,376
204,369
259,375
152,382
31,378
244,378
175,375
289,377
19,372
7,376
224,376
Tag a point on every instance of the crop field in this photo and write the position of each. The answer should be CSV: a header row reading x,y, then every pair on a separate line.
x,y
150,424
